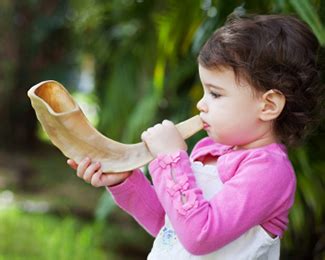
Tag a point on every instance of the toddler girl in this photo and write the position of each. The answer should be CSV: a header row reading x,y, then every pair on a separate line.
x,y
231,197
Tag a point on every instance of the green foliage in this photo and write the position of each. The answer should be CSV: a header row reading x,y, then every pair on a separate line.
x,y
309,14
106,205
38,236
308,213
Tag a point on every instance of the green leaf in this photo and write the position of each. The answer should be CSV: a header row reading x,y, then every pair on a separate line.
x,y
141,118
105,206
308,13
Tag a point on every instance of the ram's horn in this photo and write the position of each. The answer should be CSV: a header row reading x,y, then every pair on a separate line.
x,y
69,130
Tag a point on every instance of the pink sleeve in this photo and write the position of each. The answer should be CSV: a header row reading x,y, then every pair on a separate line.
x,y
258,191
137,197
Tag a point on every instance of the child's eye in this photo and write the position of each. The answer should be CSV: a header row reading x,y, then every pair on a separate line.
x,y
215,95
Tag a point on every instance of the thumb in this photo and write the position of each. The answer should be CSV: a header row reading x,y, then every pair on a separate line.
x,y
72,164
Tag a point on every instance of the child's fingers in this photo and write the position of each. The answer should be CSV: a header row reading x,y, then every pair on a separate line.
x,y
72,164
95,180
82,167
90,171
144,135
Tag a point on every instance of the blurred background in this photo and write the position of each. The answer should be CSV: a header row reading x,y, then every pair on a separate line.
x,y
129,64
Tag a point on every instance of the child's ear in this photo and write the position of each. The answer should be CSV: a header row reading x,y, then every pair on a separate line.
x,y
273,102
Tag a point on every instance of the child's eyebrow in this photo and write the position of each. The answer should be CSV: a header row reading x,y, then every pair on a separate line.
x,y
213,86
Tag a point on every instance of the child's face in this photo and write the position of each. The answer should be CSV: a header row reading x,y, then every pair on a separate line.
x,y
230,111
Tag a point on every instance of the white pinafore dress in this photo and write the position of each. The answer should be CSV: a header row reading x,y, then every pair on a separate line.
x,y
254,244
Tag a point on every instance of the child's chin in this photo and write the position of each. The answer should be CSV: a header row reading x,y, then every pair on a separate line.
x,y
219,140
214,138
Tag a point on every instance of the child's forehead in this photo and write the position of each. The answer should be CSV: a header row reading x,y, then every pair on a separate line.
x,y
219,69
216,74
224,77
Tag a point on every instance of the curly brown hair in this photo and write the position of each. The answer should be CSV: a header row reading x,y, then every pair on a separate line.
x,y
273,52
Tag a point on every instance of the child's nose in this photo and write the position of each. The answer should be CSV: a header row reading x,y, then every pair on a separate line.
x,y
201,106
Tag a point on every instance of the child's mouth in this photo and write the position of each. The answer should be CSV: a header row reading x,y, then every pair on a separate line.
x,y
205,125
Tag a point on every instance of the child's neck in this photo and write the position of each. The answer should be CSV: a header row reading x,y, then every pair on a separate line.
x,y
263,141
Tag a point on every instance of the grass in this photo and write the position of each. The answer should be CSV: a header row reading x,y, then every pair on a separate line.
x,y
66,229
42,236
26,235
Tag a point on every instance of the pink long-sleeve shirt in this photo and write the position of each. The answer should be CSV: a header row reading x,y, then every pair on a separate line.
x,y
258,189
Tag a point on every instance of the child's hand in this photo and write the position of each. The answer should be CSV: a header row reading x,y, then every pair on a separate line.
x,y
92,173
163,138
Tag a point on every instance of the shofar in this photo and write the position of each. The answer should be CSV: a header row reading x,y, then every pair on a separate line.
x,y
69,130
